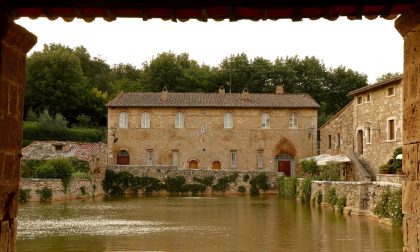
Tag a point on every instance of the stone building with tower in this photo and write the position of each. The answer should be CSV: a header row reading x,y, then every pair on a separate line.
x,y
229,131
370,126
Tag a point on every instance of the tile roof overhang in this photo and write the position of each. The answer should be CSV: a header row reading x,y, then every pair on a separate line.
x,y
182,10
234,100
376,85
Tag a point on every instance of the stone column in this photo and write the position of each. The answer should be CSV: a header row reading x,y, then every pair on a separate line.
x,y
15,42
408,25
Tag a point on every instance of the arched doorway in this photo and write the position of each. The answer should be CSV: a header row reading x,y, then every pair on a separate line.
x,y
193,164
216,165
360,142
284,155
123,157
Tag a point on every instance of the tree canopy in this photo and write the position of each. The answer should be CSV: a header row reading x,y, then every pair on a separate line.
x,y
71,82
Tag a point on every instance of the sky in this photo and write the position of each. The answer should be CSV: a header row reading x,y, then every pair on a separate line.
x,y
372,47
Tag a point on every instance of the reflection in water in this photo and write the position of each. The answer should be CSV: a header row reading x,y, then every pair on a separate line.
x,y
197,224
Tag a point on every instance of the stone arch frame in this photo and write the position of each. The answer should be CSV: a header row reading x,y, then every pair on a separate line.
x,y
284,146
191,161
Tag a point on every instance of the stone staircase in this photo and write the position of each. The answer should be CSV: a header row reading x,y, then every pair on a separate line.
x,y
362,167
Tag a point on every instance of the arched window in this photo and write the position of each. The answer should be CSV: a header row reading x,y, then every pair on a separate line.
x,y
123,158
228,121
265,121
123,122
193,164
293,121
179,120
145,120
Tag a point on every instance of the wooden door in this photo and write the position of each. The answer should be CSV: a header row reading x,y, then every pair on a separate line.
x,y
284,166
193,164
123,158
216,165
360,142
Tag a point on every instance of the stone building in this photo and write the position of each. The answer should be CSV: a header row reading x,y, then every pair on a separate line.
x,y
369,126
93,153
227,131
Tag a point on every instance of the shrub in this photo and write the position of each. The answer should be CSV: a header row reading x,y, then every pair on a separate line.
x,y
287,187
31,116
395,208
254,191
175,185
332,196
309,167
245,178
381,208
330,172
45,194
63,170
385,169
197,188
305,190
29,168
397,164
46,171
206,181
81,175
83,190
80,165
83,120
241,189
318,197
341,203
223,183
262,181
24,195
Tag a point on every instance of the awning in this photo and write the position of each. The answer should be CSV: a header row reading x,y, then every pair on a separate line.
x,y
323,159
399,156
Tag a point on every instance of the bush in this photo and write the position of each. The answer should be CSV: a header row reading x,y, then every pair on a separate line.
x,y
45,194
254,191
305,190
245,178
63,170
29,168
31,116
83,190
397,164
395,208
385,169
332,196
318,197
83,120
223,183
330,172
206,181
241,189
175,185
309,167
24,195
81,175
287,187
341,203
46,171
80,165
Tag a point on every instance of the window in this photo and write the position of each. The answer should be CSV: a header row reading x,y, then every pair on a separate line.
x,y
179,120
329,142
149,157
175,158
228,121
233,157
260,159
293,121
359,100
368,135
368,98
123,123
145,120
391,129
390,91
265,121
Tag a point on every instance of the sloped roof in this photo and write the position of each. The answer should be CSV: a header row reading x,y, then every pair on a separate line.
x,y
149,99
183,10
376,85
44,150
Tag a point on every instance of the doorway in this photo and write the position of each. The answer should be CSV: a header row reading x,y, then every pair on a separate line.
x,y
193,164
123,158
216,165
360,142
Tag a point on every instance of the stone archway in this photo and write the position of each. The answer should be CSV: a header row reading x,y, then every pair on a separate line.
x,y
123,157
284,156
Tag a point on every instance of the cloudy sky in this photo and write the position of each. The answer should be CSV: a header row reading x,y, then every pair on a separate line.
x,y
371,47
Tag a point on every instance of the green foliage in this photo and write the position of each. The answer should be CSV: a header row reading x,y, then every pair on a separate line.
x,y
206,181
341,203
80,165
241,189
287,187
81,175
305,190
385,168
83,190
332,196
330,172
397,163
390,206
31,116
259,182
83,120
387,77
45,194
245,178
309,167
24,195
46,171
223,183
176,185
318,197
254,191
29,168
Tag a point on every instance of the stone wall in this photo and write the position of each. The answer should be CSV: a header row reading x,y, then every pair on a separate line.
x,y
92,188
162,172
390,178
246,137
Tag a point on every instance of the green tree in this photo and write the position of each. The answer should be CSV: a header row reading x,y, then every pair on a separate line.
x,y
387,76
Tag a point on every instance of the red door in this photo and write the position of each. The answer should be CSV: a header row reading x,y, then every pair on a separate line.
x,y
284,166
123,158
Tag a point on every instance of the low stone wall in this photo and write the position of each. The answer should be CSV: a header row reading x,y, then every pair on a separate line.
x,y
92,188
362,197
162,172
390,178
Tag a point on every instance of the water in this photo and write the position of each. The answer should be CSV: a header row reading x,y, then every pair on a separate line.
x,y
197,224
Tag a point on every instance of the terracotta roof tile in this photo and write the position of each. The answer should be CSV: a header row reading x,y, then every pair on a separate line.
x,y
44,150
149,99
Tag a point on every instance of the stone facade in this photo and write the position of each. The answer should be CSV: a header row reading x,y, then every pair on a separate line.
x,y
158,144
370,125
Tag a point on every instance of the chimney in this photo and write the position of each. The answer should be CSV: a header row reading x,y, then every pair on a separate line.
x,y
221,90
164,94
279,89
245,95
